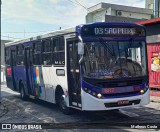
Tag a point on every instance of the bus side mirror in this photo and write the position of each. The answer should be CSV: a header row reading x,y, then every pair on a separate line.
x,y
80,48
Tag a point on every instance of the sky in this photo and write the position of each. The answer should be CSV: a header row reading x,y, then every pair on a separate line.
x,y
27,18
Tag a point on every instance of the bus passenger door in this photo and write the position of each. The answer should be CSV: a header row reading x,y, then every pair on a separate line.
x,y
29,69
74,86
13,64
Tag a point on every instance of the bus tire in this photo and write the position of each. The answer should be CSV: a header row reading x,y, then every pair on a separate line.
x,y
22,92
62,105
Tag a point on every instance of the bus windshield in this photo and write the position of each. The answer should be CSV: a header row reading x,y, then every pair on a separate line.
x,y
114,59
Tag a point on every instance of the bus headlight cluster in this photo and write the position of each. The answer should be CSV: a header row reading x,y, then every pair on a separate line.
x,y
142,91
99,95
95,94
146,87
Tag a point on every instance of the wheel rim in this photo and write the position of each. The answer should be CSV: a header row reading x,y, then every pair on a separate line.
x,y
62,103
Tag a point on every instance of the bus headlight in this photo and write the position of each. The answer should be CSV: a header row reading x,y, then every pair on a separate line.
x,y
142,91
85,89
99,95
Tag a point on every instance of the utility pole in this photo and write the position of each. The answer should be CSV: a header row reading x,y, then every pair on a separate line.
x,y
24,33
156,8
0,58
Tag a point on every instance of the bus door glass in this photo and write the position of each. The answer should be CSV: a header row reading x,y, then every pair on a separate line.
x,y
13,65
29,69
74,86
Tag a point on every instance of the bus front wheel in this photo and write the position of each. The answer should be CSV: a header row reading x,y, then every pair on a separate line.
x,y
63,106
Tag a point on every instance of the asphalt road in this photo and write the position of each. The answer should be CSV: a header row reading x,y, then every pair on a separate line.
x,y
15,110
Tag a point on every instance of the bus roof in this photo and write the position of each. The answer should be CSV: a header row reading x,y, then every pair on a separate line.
x,y
113,23
50,34
110,24
76,30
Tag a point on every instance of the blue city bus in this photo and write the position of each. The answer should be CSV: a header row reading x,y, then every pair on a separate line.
x,y
92,67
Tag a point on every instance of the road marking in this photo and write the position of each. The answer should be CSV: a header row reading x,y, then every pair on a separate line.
x,y
130,114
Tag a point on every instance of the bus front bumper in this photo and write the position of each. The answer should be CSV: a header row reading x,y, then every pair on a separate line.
x,y
91,103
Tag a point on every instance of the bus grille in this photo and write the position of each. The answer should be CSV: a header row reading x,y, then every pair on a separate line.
x,y
120,84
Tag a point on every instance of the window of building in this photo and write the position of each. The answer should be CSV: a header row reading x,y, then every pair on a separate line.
x,y
58,51
37,57
47,52
20,52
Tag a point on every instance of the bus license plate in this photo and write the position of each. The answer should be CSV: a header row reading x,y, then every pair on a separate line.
x,y
123,102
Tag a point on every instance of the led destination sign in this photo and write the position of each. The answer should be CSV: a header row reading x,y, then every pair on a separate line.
x,y
112,31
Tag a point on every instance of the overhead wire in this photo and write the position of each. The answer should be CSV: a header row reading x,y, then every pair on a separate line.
x,y
81,5
78,3
73,2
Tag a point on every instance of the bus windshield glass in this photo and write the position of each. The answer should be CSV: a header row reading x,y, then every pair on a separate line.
x,y
114,59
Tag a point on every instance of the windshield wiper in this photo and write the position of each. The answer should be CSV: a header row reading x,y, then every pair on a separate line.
x,y
101,40
120,59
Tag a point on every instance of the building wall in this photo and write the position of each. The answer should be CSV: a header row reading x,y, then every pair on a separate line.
x,y
3,51
109,18
100,16
154,76
153,53
149,4
89,18
132,15
153,29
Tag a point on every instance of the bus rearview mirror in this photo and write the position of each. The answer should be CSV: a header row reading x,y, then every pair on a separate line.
x,y
80,48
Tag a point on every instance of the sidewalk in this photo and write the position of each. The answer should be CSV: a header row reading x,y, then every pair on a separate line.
x,y
155,99
155,96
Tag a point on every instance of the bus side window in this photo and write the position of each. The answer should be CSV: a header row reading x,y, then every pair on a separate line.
x,y
7,56
47,52
58,51
74,57
20,52
37,58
